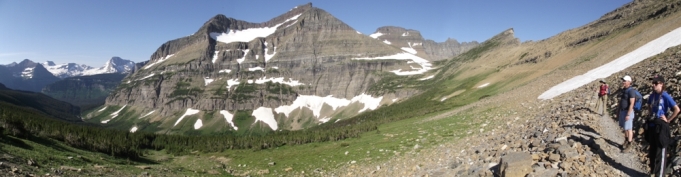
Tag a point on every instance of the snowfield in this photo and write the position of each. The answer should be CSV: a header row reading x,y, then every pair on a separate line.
x,y
147,114
232,82
265,115
315,103
652,48
189,112
207,80
198,124
426,78
249,34
425,64
228,117
158,61
243,58
280,80
376,35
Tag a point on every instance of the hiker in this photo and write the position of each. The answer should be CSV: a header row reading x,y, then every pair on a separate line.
x,y
626,111
657,131
603,91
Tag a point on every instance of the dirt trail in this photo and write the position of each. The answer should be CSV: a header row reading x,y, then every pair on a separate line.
x,y
628,163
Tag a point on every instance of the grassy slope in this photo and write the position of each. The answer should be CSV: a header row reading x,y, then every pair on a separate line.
x,y
402,136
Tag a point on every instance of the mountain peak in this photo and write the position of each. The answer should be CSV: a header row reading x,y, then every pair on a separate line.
x,y
49,63
506,37
27,62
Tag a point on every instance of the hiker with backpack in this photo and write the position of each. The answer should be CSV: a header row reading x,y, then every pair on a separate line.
x,y
603,92
626,111
657,132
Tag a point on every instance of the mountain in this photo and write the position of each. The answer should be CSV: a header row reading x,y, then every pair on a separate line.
x,y
84,91
298,70
26,75
411,41
113,65
40,103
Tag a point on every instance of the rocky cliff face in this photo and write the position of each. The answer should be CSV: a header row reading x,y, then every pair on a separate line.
x,y
297,70
411,41
84,91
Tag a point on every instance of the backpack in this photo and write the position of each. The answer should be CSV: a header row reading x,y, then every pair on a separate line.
x,y
607,87
638,100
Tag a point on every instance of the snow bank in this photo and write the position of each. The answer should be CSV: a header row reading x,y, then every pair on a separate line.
x,y
232,82
243,58
225,71
145,115
207,81
324,120
268,56
265,115
386,41
280,80
228,117
257,68
426,78
376,35
133,129
159,60
215,57
100,110
189,112
115,114
198,124
247,35
315,103
652,48
368,101
425,64
148,76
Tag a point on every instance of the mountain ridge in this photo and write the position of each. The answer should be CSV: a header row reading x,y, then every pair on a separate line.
x,y
236,66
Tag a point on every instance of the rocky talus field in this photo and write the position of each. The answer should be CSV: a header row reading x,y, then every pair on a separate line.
x,y
563,136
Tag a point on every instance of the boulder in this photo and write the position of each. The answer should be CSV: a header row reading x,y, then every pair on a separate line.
x,y
516,164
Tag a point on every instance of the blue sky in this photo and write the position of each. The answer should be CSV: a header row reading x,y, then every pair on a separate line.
x,y
90,32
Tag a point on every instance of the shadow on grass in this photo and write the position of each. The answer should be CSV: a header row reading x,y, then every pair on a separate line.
x,y
12,141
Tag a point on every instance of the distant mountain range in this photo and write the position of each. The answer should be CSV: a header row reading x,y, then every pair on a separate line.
x,y
32,76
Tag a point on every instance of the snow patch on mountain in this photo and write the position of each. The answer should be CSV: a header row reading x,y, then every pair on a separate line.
x,y
652,48
207,80
159,60
243,58
189,112
376,35
198,124
409,49
228,117
257,68
27,73
232,82
268,56
266,116
315,103
247,35
425,64
280,80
